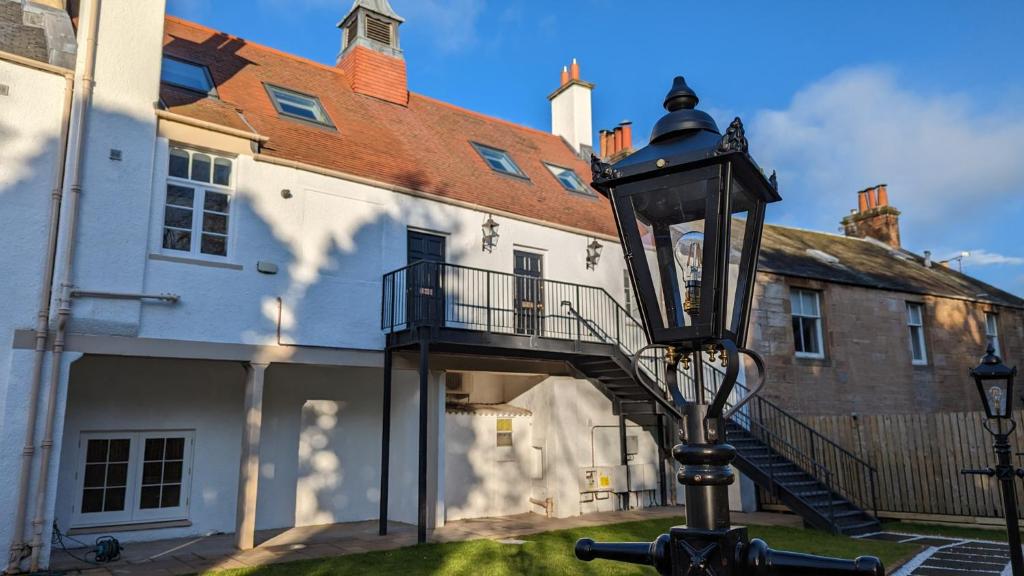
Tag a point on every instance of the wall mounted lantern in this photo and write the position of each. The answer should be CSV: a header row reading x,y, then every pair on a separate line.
x,y
490,230
593,254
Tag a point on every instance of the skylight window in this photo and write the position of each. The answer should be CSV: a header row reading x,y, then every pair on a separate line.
x,y
569,180
499,160
298,105
187,75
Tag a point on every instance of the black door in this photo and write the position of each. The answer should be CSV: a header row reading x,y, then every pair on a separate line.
x,y
529,294
424,283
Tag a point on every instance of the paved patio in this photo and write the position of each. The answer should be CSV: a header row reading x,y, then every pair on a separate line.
x,y
951,556
192,555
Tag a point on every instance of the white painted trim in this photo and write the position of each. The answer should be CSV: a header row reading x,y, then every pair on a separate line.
x,y
41,66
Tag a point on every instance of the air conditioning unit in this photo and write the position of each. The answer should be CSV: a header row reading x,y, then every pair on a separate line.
x,y
456,388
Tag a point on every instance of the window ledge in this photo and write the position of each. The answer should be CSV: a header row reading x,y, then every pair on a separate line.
x,y
130,527
195,261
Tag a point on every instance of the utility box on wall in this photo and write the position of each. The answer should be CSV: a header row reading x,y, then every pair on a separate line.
x,y
603,479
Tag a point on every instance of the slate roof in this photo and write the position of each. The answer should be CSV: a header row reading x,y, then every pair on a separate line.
x,y
18,38
426,146
835,258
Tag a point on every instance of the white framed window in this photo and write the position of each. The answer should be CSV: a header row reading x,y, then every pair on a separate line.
x,y
131,477
915,323
187,75
807,335
992,331
499,160
568,179
197,210
298,105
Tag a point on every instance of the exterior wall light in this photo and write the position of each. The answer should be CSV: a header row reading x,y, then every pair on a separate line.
x,y
594,254
490,231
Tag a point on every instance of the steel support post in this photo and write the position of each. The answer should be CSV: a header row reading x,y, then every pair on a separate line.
x,y
421,519
385,443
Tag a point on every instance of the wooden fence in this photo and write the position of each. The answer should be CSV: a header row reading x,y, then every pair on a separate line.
x,y
919,458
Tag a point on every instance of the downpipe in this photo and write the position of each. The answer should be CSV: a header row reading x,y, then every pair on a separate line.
x,y
18,548
82,105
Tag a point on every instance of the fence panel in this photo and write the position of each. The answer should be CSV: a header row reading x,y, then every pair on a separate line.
x,y
919,458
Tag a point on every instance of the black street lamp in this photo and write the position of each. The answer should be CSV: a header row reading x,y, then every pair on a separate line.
x,y
690,208
995,385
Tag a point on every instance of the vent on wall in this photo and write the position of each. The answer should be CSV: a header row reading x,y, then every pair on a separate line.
x,y
378,31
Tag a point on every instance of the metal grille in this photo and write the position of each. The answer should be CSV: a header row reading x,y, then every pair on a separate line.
x,y
378,31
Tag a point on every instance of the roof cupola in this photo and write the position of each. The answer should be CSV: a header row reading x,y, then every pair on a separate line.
x,y
370,52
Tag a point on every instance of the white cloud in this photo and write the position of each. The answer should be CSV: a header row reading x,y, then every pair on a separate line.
x,y
941,157
983,257
452,23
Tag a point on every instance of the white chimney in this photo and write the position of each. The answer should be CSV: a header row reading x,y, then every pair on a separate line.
x,y
570,111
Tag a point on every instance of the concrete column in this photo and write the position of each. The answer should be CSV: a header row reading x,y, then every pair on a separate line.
x,y
249,468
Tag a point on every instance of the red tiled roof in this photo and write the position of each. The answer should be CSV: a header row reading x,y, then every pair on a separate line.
x,y
424,146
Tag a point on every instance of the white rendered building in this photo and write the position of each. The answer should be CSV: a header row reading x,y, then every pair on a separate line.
x,y
245,241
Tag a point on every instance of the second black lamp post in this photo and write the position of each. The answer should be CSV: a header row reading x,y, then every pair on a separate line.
x,y
995,386
690,208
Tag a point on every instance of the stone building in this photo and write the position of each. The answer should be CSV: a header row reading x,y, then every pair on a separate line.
x,y
857,324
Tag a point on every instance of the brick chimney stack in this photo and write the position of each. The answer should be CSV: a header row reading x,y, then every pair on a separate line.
x,y
874,217
571,113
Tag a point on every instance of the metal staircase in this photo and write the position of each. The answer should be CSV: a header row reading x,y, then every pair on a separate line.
x,y
470,310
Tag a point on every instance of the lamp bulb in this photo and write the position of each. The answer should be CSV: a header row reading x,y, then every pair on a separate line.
x,y
689,254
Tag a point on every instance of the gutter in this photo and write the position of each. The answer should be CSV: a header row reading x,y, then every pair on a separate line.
x,y
187,120
43,66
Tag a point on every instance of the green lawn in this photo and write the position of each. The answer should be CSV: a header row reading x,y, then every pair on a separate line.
x,y
552,553
950,531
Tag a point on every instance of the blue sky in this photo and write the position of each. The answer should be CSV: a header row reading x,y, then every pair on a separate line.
x,y
926,96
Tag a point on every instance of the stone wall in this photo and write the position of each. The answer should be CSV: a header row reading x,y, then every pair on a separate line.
x,y
867,367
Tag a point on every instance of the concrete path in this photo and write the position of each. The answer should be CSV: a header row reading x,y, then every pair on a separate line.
x,y
951,556
217,552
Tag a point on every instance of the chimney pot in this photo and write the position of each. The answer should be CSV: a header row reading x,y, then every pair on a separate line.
x,y
602,140
565,76
883,195
618,140
574,70
927,258
866,221
627,134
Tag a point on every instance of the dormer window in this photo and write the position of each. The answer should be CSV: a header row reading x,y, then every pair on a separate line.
x,y
187,75
568,179
499,160
297,105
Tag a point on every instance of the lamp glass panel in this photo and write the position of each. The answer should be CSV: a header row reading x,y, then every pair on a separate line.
x,y
741,206
995,397
671,214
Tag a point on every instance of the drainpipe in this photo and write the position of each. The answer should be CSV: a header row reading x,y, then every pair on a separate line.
x,y
42,328
82,104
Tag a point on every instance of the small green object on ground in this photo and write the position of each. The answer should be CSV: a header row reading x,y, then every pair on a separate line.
x,y
551,553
